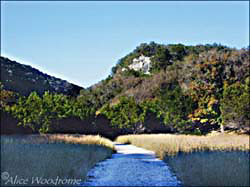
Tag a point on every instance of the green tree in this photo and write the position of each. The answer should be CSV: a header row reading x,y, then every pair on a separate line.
x,y
37,112
28,111
177,51
161,58
125,114
86,104
235,105
174,106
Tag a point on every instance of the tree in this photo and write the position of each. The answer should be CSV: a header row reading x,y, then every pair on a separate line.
x,y
146,49
161,59
235,106
126,114
37,112
177,51
29,111
6,97
175,107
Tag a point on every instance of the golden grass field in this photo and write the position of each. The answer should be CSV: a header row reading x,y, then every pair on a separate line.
x,y
49,156
169,144
213,160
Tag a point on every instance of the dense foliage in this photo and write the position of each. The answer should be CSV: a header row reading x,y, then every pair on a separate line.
x,y
189,85
38,112
235,105
125,114
172,106
6,97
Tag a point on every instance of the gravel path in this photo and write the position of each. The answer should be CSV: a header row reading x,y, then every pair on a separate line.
x,y
131,166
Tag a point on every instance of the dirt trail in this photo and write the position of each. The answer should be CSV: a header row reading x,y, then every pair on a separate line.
x,y
131,166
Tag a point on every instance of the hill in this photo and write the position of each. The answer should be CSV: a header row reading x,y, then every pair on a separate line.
x,y
168,63
155,88
184,86
24,79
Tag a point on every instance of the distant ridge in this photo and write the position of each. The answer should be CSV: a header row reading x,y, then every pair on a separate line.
x,y
25,79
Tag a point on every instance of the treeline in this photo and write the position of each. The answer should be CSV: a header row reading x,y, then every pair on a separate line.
x,y
172,107
191,89
164,55
37,112
181,113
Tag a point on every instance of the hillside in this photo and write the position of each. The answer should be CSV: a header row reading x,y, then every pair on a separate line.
x,y
24,79
155,88
191,85
207,64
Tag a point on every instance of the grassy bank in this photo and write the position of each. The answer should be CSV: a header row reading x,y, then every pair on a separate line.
x,y
215,168
217,160
52,156
168,144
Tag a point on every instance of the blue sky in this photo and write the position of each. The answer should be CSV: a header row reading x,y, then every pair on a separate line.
x,y
81,41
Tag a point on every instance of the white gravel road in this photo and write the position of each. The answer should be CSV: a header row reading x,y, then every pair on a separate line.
x,y
131,166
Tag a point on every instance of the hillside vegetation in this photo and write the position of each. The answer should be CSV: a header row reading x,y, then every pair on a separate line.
x,y
187,89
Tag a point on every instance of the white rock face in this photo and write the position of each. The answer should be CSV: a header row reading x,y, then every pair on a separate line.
x,y
124,69
142,63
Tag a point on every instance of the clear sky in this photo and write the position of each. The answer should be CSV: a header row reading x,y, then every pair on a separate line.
x,y
81,41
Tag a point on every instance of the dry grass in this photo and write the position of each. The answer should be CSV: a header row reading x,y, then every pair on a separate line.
x,y
213,160
216,168
58,138
49,156
167,144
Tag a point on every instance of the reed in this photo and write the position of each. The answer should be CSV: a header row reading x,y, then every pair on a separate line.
x,y
52,156
168,144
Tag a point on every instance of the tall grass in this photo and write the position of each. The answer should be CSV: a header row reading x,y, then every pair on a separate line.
x,y
58,138
218,160
217,168
52,156
168,144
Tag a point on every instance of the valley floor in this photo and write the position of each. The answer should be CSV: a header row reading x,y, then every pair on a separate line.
x,y
131,166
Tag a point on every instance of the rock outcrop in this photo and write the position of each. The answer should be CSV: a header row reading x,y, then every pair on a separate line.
x,y
142,64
